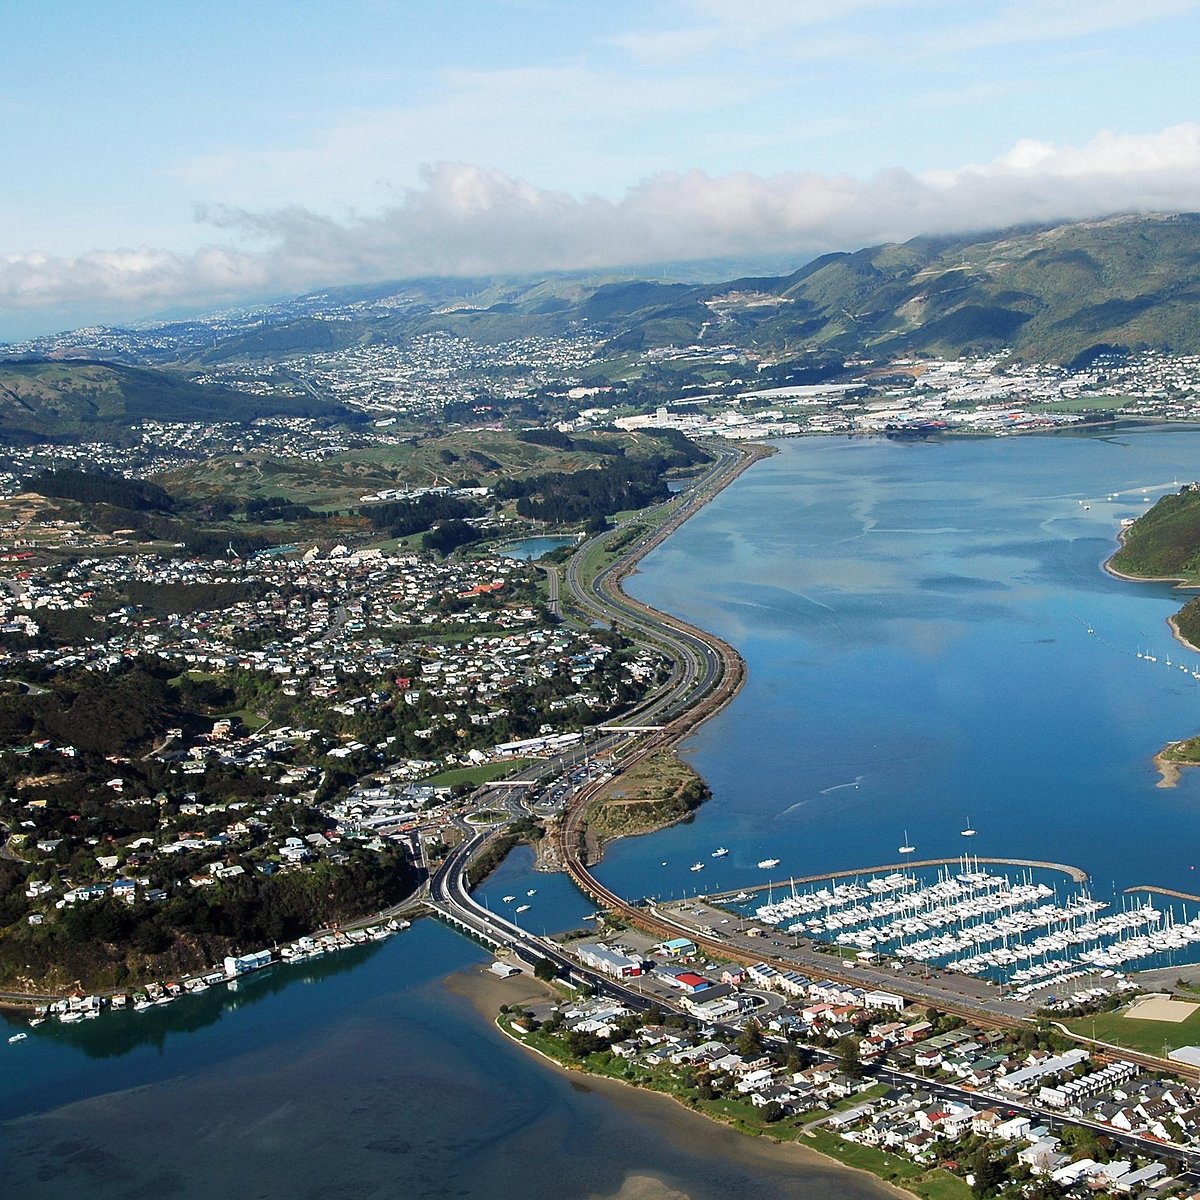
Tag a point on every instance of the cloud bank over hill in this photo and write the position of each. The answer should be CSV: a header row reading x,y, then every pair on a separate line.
x,y
468,220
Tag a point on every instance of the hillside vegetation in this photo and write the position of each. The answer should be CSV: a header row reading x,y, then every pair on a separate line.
x,y
656,792
485,457
1050,293
69,400
1164,542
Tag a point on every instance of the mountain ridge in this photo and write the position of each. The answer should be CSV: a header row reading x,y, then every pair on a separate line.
x,y
44,399
1046,292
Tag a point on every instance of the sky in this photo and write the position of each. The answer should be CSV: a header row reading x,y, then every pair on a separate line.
x,y
170,157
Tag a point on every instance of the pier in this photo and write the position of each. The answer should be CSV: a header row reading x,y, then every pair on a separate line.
x,y
1160,891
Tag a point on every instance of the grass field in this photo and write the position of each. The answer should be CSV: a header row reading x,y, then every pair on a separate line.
x,y
1149,1037
475,775
931,1184
1085,404
338,482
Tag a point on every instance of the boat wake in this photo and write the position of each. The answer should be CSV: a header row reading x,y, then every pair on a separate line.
x,y
837,787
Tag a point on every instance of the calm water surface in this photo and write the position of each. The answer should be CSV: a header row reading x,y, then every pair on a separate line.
x,y
371,1081
531,549
915,619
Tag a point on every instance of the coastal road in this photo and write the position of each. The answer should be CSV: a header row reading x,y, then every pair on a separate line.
x,y
707,674
450,897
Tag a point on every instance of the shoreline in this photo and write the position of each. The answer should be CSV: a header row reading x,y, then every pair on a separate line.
x,y
474,986
1179,636
1171,772
1177,584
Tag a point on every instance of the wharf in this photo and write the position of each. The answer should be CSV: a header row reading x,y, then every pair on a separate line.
x,y
1077,874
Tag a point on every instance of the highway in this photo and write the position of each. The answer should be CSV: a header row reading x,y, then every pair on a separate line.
x,y
451,898
706,673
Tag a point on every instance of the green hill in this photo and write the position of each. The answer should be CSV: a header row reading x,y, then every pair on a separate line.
x,y
1164,542
1049,293
68,400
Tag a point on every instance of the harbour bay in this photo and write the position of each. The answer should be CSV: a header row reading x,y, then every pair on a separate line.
x,y
915,619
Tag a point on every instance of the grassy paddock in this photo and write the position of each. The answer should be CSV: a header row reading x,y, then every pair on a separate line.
x,y
1083,404
477,776
1147,1036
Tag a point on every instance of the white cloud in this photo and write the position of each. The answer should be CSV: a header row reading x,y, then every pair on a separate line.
x,y
703,26
695,28
563,120
1042,21
463,219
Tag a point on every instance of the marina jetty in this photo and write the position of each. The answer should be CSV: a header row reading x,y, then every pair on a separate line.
x,y
1160,891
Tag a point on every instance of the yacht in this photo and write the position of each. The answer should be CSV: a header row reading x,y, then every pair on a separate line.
x,y
522,908
697,866
768,863
17,1037
508,899
719,852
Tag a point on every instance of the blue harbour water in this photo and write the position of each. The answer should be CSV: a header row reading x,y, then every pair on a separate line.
x,y
915,621
362,1077
531,549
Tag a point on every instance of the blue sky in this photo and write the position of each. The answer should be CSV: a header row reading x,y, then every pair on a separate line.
x,y
168,155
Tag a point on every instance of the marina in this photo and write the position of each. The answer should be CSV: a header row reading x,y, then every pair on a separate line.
x,y
1031,930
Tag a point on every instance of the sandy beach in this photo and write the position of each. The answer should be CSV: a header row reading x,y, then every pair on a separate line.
x,y
487,992
1168,770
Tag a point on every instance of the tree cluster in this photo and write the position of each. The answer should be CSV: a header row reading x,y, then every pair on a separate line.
x,y
92,487
402,518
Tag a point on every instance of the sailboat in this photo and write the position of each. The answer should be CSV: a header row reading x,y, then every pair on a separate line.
x,y
907,848
969,831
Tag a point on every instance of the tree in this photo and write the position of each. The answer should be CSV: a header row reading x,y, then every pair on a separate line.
x,y
750,1043
580,1044
848,1056
989,1173
544,969
772,1112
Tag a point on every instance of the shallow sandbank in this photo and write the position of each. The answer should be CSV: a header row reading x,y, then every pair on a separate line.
x,y
487,992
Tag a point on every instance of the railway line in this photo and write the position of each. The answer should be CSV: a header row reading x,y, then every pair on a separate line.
x,y
706,675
